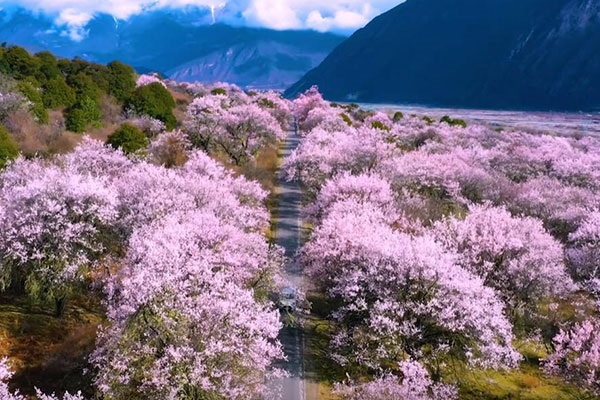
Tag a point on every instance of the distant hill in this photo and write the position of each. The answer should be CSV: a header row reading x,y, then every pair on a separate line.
x,y
175,44
507,54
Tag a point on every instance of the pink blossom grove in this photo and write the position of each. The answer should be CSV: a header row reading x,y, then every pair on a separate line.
x,y
422,229
430,250
178,252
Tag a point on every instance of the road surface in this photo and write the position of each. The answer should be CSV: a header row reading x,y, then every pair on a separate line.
x,y
287,235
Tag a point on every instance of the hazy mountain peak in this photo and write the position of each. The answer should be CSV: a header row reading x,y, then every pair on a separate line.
x,y
181,43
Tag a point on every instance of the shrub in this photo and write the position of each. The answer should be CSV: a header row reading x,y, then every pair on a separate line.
x,y
84,113
155,101
84,86
380,125
398,116
122,80
128,138
453,122
428,120
32,92
8,147
346,119
218,91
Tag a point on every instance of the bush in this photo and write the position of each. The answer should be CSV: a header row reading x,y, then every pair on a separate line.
x,y
428,120
155,101
32,92
122,81
218,91
380,125
129,138
8,147
453,122
398,116
346,119
82,114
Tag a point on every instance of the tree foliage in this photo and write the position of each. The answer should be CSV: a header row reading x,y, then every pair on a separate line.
x,y
129,138
155,101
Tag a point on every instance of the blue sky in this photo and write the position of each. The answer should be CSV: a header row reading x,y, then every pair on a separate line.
x,y
322,15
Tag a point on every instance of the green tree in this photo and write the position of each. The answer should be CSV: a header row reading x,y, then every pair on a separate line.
x,y
31,90
58,94
85,112
129,138
48,66
21,63
122,80
398,116
155,101
8,147
84,85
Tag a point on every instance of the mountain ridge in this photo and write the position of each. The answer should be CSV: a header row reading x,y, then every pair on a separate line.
x,y
504,54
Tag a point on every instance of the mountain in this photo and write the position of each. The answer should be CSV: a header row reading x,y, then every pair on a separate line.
x,y
179,44
504,54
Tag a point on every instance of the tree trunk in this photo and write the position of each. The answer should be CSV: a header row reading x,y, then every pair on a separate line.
x,y
59,307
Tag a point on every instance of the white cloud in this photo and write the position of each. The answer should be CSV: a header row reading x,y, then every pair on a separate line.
x,y
274,14
344,15
75,21
322,15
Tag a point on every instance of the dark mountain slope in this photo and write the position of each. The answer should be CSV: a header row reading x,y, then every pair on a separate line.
x,y
515,54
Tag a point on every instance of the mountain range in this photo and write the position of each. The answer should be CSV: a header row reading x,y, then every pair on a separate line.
x,y
501,54
179,44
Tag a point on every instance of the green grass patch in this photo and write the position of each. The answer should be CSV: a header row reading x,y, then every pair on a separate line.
x,y
48,352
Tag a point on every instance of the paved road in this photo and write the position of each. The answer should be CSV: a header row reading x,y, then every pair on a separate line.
x,y
287,235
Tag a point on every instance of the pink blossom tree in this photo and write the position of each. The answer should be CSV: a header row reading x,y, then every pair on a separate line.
x,y
184,320
203,120
276,105
415,384
515,256
365,188
325,117
322,155
583,254
246,130
402,296
306,102
55,224
577,355
146,79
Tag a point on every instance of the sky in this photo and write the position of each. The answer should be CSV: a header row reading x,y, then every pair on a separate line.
x,y
343,16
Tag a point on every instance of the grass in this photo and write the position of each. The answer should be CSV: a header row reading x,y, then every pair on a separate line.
x,y
318,365
45,351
